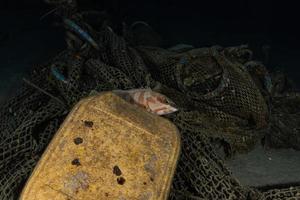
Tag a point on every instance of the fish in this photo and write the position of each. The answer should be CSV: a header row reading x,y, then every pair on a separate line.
x,y
148,99
58,75
77,29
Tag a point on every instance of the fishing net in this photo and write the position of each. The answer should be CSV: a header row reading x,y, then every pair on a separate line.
x,y
218,100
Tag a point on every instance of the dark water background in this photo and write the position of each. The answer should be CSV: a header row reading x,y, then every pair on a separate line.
x,y
26,41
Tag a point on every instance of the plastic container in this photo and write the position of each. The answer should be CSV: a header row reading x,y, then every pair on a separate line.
x,y
107,148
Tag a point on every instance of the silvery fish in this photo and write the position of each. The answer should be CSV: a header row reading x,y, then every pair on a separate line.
x,y
58,75
152,101
81,32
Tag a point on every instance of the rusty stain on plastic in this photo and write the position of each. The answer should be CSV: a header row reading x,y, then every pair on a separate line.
x,y
107,149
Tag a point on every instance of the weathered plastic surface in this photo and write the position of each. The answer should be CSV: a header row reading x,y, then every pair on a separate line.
x,y
107,149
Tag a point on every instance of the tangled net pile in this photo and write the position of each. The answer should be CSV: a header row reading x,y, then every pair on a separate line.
x,y
217,91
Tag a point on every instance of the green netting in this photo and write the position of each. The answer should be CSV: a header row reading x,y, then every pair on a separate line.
x,y
218,99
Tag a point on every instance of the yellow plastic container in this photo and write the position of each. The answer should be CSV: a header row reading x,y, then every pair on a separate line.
x,y
107,149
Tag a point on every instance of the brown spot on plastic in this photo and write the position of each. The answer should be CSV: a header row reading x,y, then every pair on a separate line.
x,y
121,180
88,124
78,140
76,162
117,171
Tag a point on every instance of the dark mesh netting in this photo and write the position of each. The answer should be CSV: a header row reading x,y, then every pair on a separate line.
x,y
217,98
